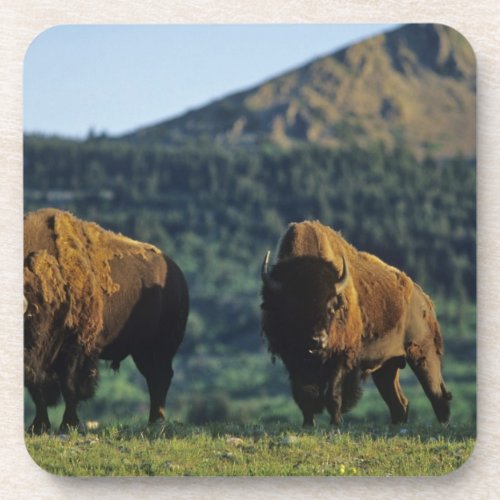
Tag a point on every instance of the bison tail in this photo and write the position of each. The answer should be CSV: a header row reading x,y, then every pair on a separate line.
x,y
351,390
115,365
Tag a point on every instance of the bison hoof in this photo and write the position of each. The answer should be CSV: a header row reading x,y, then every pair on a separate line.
x,y
401,417
442,410
157,420
156,415
336,420
38,428
444,419
66,428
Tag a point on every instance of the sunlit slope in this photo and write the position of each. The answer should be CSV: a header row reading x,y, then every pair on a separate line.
x,y
415,85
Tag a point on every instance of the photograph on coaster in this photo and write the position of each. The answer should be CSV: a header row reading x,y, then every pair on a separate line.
x,y
250,250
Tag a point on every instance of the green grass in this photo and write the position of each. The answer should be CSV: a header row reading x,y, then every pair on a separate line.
x,y
175,449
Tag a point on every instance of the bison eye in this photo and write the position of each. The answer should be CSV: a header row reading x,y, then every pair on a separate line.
x,y
334,305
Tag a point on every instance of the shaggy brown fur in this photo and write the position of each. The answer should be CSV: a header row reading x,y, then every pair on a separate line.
x,y
79,270
47,274
93,294
379,320
377,295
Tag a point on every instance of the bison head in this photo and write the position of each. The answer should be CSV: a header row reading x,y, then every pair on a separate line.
x,y
302,303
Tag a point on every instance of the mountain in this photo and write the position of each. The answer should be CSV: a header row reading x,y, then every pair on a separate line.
x,y
415,85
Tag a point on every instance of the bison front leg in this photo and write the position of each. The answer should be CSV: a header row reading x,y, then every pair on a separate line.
x,y
78,376
70,417
41,422
309,399
334,394
44,394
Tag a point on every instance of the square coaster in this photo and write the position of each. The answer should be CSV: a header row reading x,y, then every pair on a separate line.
x,y
250,250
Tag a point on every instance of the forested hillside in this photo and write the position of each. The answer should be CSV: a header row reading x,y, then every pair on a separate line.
x,y
418,215
216,211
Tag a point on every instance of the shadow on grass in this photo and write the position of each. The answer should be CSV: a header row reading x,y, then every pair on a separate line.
x,y
177,430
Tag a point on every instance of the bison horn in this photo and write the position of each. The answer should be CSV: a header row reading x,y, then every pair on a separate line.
x,y
342,282
25,305
266,278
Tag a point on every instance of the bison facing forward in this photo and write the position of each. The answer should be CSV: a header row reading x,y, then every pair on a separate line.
x,y
89,294
333,315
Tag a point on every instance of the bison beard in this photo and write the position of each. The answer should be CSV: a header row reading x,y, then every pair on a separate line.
x,y
92,294
335,315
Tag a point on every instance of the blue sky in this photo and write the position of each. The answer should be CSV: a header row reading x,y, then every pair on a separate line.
x,y
115,79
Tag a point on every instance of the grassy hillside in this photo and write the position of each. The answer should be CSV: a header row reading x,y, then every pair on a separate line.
x,y
255,450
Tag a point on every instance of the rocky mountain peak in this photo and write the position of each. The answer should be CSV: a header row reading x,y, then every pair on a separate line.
x,y
414,85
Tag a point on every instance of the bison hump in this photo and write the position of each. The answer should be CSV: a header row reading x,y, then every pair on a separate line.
x,y
384,293
82,255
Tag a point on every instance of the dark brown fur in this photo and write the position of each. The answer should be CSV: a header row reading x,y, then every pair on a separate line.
x,y
381,320
95,294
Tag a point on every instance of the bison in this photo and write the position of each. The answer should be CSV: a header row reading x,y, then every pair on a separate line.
x,y
93,294
335,315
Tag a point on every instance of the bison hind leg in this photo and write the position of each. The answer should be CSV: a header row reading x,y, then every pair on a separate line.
x,y
442,405
426,364
386,379
157,370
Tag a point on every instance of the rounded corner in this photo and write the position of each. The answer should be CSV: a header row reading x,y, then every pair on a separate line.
x,y
37,38
34,460
464,463
459,34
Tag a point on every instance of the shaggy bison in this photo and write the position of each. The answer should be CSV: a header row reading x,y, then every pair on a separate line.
x,y
334,314
90,294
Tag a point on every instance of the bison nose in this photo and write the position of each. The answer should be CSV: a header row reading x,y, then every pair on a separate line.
x,y
319,341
